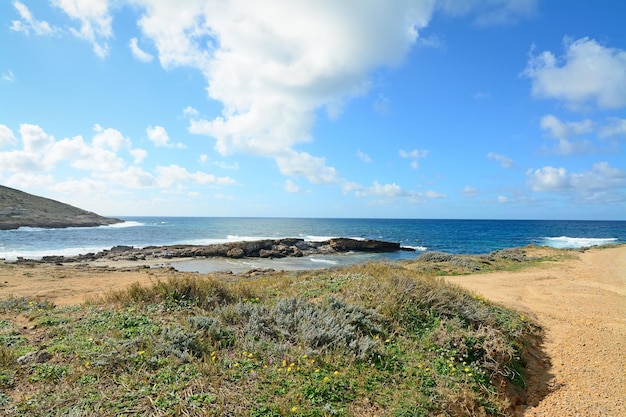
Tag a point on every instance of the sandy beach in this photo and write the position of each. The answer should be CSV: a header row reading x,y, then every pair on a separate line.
x,y
580,303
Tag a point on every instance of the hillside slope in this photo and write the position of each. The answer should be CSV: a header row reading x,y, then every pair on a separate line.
x,y
19,209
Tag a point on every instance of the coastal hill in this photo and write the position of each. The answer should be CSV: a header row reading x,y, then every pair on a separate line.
x,y
20,209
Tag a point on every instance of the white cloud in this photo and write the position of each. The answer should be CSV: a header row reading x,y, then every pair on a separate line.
x,y
491,12
291,187
23,180
548,179
602,182
138,155
34,138
109,138
390,191
415,155
95,22
139,53
158,135
363,156
168,175
504,161
292,163
28,23
563,130
588,73
8,76
7,138
203,158
273,64
131,177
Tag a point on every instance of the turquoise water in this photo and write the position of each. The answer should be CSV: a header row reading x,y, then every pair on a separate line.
x,y
454,236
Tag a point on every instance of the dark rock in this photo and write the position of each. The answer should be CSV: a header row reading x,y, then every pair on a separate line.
x,y
40,356
235,253
346,245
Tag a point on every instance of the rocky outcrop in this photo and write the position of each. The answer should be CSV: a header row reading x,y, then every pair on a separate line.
x,y
20,209
267,248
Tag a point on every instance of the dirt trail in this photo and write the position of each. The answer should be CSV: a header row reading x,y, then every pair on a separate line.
x,y
581,304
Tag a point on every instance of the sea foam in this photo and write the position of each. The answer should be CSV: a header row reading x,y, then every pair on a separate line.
x,y
576,242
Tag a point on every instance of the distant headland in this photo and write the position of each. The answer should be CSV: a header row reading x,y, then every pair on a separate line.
x,y
20,209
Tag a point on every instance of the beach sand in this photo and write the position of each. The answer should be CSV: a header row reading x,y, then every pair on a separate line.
x,y
580,303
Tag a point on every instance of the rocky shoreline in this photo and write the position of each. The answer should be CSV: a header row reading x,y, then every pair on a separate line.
x,y
267,248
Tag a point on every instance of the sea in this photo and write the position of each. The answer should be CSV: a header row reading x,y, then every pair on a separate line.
x,y
452,236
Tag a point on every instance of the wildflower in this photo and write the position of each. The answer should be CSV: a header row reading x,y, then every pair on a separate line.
x,y
141,352
336,373
294,408
388,340
317,370
250,355
470,374
467,369
326,379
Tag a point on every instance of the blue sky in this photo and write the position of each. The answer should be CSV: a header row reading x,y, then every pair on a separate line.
x,y
406,109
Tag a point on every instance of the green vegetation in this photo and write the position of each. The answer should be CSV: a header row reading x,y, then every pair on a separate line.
x,y
374,339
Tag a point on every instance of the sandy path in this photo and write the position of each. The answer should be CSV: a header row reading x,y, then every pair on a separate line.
x,y
581,304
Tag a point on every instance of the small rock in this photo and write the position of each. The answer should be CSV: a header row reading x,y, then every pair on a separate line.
x,y
40,356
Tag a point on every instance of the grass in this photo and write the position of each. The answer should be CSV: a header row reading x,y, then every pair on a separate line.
x,y
384,339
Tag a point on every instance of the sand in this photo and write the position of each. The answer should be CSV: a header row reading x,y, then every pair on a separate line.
x,y
580,304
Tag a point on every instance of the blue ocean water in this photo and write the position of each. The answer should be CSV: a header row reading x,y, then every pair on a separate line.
x,y
453,236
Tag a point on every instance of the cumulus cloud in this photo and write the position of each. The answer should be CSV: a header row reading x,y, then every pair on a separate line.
x,y
549,179
587,74
28,24
139,53
303,164
504,161
7,137
158,135
563,130
602,182
168,175
273,64
102,158
94,19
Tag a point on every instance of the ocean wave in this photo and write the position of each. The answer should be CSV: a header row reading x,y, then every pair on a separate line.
x,y
12,255
576,242
323,261
124,225
417,248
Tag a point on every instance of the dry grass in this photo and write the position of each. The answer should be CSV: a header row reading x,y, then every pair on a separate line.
x,y
377,338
